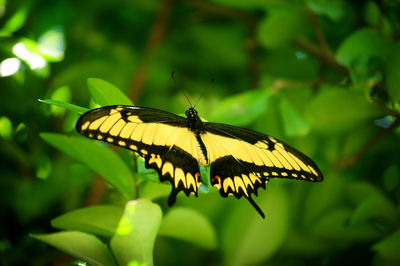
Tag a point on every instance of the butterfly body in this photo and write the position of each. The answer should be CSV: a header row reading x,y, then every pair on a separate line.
x,y
241,160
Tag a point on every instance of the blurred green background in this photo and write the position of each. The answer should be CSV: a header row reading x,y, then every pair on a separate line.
x,y
320,75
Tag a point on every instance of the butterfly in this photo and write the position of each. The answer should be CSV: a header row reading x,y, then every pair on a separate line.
x,y
241,160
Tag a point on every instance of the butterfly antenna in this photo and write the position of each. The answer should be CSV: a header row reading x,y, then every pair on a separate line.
x,y
187,98
204,92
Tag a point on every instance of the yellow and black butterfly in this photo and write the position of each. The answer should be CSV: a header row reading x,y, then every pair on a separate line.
x,y
241,160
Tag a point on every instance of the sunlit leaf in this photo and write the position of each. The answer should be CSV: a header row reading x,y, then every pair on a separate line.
x,y
52,44
333,9
5,127
136,233
68,106
240,109
189,225
61,94
99,220
336,110
104,93
9,67
80,245
293,122
16,21
99,158
364,43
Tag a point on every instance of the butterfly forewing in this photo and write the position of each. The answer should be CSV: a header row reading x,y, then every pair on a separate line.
x,y
161,138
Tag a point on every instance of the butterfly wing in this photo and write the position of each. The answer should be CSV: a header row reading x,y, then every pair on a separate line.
x,y
161,138
243,160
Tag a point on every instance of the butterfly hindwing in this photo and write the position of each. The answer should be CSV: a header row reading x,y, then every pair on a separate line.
x,y
161,138
253,158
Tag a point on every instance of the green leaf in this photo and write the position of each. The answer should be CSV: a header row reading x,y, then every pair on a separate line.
x,y
322,197
68,106
293,122
378,209
16,21
337,110
251,4
104,93
272,33
389,247
99,220
61,94
80,245
247,239
134,239
364,43
99,158
334,225
52,44
6,129
189,225
240,109
393,74
332,9
151,190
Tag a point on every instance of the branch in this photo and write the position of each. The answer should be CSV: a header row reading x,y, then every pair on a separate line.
x,y
322,50
375,139
156,36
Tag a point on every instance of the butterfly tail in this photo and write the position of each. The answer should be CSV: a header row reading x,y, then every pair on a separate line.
x,y
258,209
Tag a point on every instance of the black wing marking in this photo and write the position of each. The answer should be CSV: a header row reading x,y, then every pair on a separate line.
x,y
243,160
161,138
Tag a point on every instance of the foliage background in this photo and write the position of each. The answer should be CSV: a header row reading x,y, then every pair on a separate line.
x,y
321,75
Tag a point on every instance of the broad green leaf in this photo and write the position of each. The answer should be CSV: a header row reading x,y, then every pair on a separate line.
x,y
252,4
133,242
189,225
337,110
332,9
389,247
322,197
293,122
376,19
99,158
364,43
273,33
248,239
240,109
80,245
68,106
334,225
393,74
358,191
61,94
391,178
151,190
378,209
99,220
52,44
292,64
104,93
16,21
6,129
